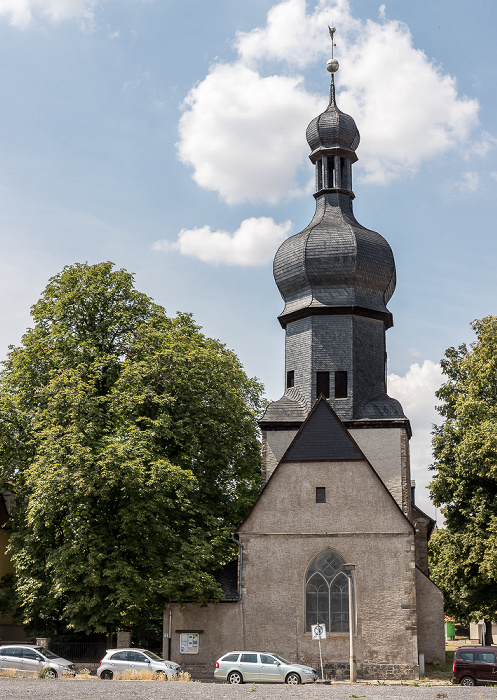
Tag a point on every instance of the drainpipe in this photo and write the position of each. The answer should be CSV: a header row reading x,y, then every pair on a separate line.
x,y
240,555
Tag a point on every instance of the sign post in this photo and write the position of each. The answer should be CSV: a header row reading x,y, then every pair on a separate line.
x,y
319,633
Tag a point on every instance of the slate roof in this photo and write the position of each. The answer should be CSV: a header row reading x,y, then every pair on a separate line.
x,y
333,128
323,438
291,408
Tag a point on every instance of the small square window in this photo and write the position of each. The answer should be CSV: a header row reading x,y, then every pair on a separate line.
x,y
320,494
290,379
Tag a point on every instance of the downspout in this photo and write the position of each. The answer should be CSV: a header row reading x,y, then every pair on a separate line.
x,y
240,555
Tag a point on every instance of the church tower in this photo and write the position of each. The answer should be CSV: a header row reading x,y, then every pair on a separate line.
x,y
336,278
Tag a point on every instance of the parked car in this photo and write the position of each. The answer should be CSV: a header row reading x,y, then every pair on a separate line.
x,y
264,667
117,660
27,658
474,665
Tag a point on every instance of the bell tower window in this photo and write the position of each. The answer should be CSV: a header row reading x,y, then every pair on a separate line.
x,y
290,379
341,385
323,384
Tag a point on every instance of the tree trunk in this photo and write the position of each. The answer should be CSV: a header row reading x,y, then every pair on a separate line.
x,y
488,633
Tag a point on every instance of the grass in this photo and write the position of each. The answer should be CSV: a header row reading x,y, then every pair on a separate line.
x,y
133,675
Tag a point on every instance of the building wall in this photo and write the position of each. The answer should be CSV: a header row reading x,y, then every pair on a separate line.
x,y
383,447
274,444
283,533
431,637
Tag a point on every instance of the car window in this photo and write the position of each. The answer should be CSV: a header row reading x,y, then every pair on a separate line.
x,y
280,658
31,654
137,656
12,651
466,655
268,659
46,653
120,656
485,657
248,658
153,656
230,657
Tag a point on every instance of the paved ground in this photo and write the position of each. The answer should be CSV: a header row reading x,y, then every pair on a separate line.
x,y
95,689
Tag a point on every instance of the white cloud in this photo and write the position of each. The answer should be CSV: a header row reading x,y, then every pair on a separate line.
x,y
21,12
243,130
470,181
253,243
416,392
243,133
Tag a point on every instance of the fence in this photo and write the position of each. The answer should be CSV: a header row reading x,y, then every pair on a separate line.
x,y
79,651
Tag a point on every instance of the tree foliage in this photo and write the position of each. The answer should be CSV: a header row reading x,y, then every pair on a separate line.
x,y
464,552
131,439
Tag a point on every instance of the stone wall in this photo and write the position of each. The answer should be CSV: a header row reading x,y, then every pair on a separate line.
x,y
431,637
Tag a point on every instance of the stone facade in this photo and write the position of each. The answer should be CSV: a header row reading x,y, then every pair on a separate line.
x,y
361,521
335,463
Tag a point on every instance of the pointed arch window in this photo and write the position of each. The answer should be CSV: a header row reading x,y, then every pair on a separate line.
x,y
327,593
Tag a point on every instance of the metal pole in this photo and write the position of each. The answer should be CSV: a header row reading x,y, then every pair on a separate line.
x,y
170,630
353,669
349,569
321,659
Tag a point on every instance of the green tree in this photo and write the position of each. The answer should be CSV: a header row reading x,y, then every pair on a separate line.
x,y
464,552
131,439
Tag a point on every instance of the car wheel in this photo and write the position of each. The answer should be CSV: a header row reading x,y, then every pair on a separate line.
x,y
50,673
467,680
235,678
106,675
292,679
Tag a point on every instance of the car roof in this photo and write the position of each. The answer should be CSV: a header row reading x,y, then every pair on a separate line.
x,y
129,649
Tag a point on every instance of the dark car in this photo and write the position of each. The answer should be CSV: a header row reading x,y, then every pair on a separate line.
x,y
475,665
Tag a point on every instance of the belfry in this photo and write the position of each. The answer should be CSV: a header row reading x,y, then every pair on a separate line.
x,y
334,537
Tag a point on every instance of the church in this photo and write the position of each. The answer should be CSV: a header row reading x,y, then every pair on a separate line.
x,y
335,536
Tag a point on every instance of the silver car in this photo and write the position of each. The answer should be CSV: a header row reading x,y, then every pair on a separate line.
x,y
264,667
32,660
118,660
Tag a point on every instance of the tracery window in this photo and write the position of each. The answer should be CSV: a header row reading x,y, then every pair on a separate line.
x,y
327,593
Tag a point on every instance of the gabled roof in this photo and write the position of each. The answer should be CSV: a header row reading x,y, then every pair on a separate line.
x,y
322,438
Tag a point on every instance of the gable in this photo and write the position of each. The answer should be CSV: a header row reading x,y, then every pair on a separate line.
x,y
322,437
323,454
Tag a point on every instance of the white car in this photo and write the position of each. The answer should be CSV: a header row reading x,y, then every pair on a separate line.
x,y
264,667
118,660
30,659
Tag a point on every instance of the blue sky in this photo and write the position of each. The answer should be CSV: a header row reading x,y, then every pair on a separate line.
x,y
169,137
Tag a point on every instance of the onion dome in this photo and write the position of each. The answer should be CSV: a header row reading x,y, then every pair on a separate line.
x,y
332,129
335,265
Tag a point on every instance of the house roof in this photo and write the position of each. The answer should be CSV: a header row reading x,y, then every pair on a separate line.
x,y
322,437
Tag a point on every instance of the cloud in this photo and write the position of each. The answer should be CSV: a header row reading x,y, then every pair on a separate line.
x,y
252,244
22,12
243,133
243,126
470,181
416,392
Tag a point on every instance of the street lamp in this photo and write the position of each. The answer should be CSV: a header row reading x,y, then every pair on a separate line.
x,y
349,570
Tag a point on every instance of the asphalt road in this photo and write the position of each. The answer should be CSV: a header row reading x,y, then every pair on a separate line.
x,y
95,689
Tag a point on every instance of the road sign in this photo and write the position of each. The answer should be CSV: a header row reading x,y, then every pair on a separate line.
x,y
318,631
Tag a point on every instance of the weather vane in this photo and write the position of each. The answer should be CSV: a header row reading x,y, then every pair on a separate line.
x,y
332,65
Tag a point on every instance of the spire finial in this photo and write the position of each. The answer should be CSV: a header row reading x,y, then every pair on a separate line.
x,y
332,64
